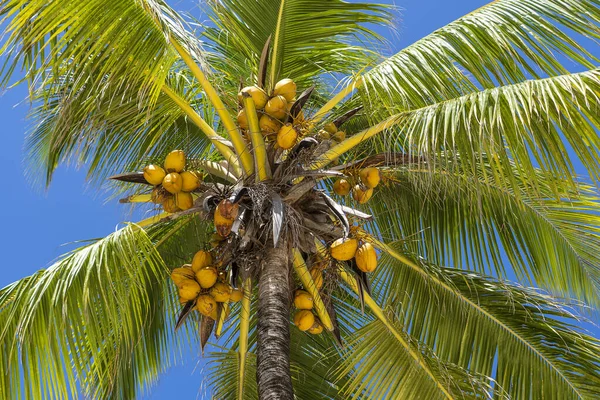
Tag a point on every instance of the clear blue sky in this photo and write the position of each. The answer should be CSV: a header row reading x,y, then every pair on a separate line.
x,y
38,223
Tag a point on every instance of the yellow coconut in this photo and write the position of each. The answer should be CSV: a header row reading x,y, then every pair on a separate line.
x,y
259,96
206,304
304,319
286,88
277,107
181,275
316,329
169,205
303,300
341,187
242,119
201,260
339,136
228,209
287,136
159,195
360,195
323,135
343,249
268,125
189,181
184,200
370,177
236,295
330,128
189,290
221,292
366,258
317,277
173,183
154,174
175,161
207,277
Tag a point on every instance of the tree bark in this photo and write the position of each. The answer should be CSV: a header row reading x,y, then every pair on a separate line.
x,y
273,348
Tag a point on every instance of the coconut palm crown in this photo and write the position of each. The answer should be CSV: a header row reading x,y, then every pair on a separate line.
x,y
346,225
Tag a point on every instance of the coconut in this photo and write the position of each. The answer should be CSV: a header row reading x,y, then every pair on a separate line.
x,y
201,260
189,290
175,161
287,136
258,95
343,249
242,119
182,274
173,183
154,174
184,200
330,128
277,107
221,292
303,300
370,177
366,258
190,181
323,135
169,205
286,88
339,136
236,295
304,319
207,277
207,305
360,195
316,329
268,125
317,277
341,187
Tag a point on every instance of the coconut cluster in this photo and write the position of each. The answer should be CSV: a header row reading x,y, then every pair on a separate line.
x,y
203,283
172,184
304,317
274,112
362,191
364,254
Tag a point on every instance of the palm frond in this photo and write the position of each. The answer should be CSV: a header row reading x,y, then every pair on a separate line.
x,y
524,340
315,37
504,42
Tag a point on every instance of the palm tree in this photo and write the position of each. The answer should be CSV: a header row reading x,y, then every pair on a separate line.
x,y
474,131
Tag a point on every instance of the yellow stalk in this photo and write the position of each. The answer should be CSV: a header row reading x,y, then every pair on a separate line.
x,y
236,137
275,54
381,316
151,220
138,198
217,141
335,100
244,330
216,169
222,317
261,162
352,142
308,283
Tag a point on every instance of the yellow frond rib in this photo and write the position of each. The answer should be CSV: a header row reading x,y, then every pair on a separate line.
x,y
217,141
244,330
262,167
309,285
232,130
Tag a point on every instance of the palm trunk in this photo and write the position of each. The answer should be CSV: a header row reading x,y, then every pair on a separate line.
x,y
273,362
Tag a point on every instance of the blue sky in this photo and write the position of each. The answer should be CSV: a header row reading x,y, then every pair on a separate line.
x,y
39,225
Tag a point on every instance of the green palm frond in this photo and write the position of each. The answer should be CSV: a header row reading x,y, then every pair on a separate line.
x,y
99,310
504,42
524,340
315,37
66,132
462,220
